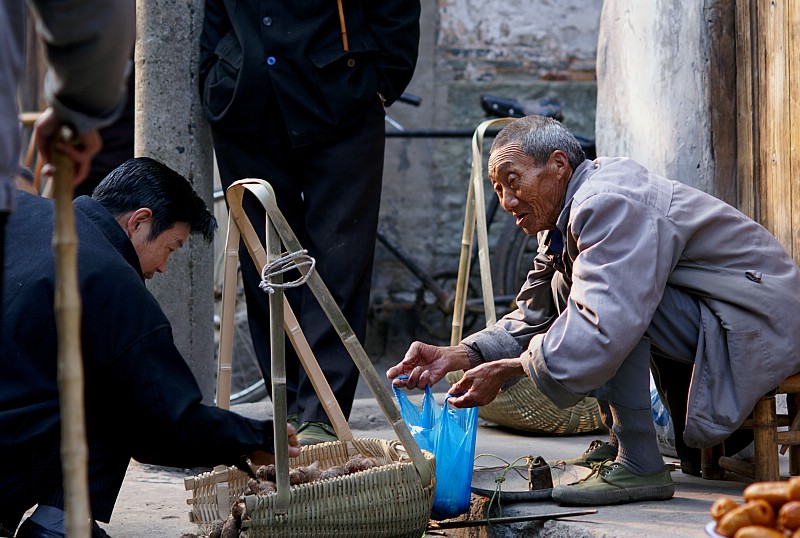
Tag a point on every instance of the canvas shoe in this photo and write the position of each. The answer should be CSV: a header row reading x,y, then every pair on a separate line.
x,y
312,433
612,483
598,452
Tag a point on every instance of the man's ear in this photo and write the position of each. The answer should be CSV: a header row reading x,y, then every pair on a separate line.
x,y
138,218
560,161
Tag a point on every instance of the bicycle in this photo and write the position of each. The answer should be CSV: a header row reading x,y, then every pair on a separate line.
x,y
434,299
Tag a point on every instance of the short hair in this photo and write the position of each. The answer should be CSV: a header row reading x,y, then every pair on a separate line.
x,y
145,182
539,137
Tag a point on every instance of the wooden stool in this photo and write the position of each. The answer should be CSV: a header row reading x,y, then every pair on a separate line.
x,y
764,421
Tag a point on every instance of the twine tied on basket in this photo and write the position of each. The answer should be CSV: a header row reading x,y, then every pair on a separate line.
x,y
284,264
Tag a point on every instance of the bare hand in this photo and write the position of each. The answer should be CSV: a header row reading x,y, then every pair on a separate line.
x,y
480,385
425,364
262,457
89,144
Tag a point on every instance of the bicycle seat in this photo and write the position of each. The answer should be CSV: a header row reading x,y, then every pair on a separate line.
x,y
511,108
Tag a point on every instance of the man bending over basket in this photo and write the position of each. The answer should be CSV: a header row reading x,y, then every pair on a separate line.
x,y
631,267
142,400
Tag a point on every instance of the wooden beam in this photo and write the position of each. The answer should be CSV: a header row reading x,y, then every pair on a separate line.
x,y
747,136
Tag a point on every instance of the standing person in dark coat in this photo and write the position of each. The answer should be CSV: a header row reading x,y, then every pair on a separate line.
x,y
142,400
295,94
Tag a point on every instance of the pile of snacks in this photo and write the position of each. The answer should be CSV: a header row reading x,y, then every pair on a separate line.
x,y
770,510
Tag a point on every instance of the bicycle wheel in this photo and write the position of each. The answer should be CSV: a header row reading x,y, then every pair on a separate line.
x,y
433,325
515,253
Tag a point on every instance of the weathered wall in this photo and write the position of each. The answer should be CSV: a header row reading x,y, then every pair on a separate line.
x,y
663,87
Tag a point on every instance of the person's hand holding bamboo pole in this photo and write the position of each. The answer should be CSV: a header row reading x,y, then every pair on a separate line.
x,y
70,363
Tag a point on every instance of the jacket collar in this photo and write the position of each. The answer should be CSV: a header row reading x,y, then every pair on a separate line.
x,y
106,223
579,177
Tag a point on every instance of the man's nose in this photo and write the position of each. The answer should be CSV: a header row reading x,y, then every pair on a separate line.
x,y
507,199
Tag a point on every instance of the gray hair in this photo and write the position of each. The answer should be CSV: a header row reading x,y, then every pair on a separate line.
x,y
539,137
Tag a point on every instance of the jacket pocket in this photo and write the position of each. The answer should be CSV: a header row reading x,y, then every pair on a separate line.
x,y
220,84
348,80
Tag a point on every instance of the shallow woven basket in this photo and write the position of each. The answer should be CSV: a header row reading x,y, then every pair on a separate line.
x,y
385,501
523,407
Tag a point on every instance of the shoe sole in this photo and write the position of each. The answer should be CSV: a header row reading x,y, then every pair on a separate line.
x,y
568,495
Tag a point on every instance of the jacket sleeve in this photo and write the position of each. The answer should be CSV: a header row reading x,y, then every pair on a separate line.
x,y
536,311
623,260
394,25
164,421
89,45
215,25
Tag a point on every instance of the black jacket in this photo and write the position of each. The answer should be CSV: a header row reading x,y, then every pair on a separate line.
x,y
289,55
140,394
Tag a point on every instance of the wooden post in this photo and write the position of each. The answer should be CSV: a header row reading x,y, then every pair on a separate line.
x,y
768,116
74,453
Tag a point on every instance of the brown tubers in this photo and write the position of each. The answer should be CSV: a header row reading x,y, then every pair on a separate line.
x,y
215,529
230,529
758,531
722,506
789,516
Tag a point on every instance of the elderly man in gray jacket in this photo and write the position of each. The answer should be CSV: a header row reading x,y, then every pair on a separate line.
x,y
629,264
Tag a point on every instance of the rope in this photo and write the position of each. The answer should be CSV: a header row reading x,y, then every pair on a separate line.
x,y
284,264
499,482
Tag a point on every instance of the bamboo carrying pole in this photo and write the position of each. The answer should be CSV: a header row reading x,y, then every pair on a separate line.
x,y
70,363
475,214
263,192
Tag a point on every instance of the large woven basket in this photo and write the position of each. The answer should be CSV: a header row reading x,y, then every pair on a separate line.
x,y
523,407
394,499
385,501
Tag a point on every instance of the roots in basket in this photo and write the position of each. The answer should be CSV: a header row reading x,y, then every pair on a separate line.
x,y
265,484
303,475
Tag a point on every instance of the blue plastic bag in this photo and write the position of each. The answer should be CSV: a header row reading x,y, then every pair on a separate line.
x,y
448,433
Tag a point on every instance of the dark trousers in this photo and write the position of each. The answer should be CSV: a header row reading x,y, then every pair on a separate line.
x,y
329,193
30,474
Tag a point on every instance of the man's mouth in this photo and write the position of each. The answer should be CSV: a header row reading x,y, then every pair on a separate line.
x,y
520,218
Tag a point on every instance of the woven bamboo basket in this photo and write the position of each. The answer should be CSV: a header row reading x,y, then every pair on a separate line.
x,y
523,407
385,501
393,499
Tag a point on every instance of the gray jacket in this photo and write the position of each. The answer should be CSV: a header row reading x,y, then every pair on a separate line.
x,y
629,234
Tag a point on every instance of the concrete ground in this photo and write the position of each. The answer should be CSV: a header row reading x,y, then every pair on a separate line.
x,y
152,502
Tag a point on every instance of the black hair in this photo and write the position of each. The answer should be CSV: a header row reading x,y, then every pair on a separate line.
x,y
145,182
539,137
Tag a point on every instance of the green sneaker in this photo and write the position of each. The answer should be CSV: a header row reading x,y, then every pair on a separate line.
x,y
612,483
312,433
292,419
598,452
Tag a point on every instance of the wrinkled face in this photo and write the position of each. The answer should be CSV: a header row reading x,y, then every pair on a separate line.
x,y
153,254
533,193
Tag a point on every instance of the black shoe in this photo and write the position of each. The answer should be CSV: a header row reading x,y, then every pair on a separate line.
x,y
31,529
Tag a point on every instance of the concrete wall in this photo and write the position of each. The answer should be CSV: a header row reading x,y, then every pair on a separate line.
x,y
653,87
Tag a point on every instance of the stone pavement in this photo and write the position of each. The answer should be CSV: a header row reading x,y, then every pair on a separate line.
x,y
152,502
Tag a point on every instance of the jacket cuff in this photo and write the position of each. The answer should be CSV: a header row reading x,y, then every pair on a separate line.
x,y
535,366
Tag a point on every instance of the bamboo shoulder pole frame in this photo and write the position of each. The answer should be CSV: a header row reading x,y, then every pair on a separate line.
x,y
74,452
475,213
279,231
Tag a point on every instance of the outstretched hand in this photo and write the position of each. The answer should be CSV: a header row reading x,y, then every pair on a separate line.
x,y
263,457
480,385
425,364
